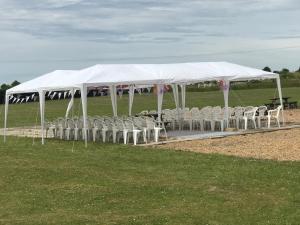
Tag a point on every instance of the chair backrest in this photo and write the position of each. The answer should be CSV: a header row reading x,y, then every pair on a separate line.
x,y
128,125
248,108
238,111
70,123
262,110
251,113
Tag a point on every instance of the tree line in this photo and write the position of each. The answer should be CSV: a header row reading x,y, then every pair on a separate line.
x,y
3,89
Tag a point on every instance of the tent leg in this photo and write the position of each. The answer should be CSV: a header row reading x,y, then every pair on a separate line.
x,y
42,113
84,112
183,93
176,99
71,103
131,97
160,95
280,98
5,116
226,85
113,93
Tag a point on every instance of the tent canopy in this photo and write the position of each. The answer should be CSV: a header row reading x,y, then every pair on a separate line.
x,y
141,74
113,75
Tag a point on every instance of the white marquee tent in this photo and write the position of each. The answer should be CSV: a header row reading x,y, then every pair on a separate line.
x,y
133,75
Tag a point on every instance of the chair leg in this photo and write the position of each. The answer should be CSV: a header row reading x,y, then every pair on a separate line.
x,y
145,135
269,122
103,136
125,134
76,134
114,136
201,125
237,123
246,123
212,125
135,133
156,135
278,122
254,123
94,134
222,125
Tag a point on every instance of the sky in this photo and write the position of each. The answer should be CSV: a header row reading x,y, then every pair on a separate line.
x,y
39,36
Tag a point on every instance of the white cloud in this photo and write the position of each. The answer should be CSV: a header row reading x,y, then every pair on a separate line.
x,y
55,32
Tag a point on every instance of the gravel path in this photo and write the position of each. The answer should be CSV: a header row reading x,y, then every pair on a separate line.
x,y
283,145
278,145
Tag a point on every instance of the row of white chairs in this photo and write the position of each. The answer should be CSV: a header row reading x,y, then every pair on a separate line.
x,y
107,129
214,118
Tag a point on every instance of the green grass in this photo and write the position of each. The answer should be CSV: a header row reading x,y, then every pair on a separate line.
x,y
117,184
28,114
64,183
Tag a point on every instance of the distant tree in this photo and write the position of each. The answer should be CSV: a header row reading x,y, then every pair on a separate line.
x,y
298,70
15,83
284,73
285,70
4,87
267,69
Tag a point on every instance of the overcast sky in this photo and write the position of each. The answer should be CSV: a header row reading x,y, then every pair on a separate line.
x,y
39,36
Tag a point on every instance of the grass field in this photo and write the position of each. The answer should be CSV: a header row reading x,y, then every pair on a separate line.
x,y
28,114
116,184
64,183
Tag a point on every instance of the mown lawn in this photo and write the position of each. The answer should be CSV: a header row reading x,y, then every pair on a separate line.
x,y
64,183
28,114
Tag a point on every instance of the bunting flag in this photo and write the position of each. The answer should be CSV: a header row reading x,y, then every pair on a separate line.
x,y
15,99
49,93
149,89
139,90
52,97
32,96
22,100
65,94
120,92
27,98
59,95
10,97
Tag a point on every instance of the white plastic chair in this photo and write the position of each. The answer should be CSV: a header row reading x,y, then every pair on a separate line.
x,y
70,126
250,114
274,114
130,128
262,111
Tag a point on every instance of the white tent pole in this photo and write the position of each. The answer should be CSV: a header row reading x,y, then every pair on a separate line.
x,y
83,90
226,86
176,98
5,116
111,92
113,97
183,89
71,103
42,113
175,94
160,95
280,97
131,97
116,101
